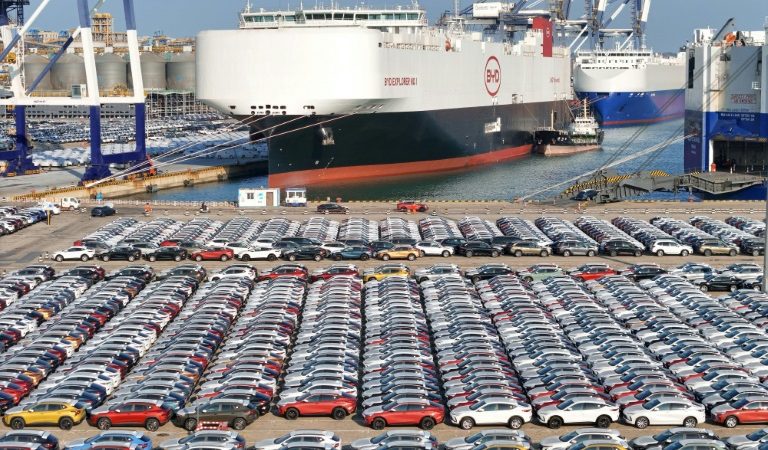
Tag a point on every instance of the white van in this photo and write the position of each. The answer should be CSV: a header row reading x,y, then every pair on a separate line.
x,y
70,203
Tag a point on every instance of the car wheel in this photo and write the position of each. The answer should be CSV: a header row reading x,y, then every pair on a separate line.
x,y
84,258
603,422
190,424
528,279
614,253
566,253
176,258
494,254
378,423
707,252
757,287
731,421
364,257
152,258
755,252
411,257
338,413
131,258
642,422
271,257
660,253
292,258
224,258
555,422
704,288
475,280
544,254
690,422
292,414
152,424
198,258
685,253
239,424
59,258
245,257
517,253
468,253
105,258
385,257
427,423
732,288
515,423
103,424
17,423
466,423
317,258
446,253
732,252
591,253
638,253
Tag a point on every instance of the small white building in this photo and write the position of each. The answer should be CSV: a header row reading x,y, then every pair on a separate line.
x,y
258,198
296,196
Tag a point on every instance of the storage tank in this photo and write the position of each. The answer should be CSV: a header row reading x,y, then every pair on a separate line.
x,y
180,72
152,71
110,69
68,70
33,67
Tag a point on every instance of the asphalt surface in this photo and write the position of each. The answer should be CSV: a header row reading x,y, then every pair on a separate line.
x,y
27,246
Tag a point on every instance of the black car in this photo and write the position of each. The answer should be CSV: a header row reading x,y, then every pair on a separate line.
x,y
754,247
639,272
188,270
124,252
756,284
404,241
235,413
487,272
315,253
586,194
452,242
98,246
103,211
167,253
299,241
716,282
286,245
145,273
376,246
332,208
478,248
91,274
619,247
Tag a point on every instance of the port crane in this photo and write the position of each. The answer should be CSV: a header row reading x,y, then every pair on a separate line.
x,y
87,95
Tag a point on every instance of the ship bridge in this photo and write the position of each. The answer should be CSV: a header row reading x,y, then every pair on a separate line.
x,y
334,17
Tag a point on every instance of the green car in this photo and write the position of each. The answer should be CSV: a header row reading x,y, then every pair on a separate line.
x,y
540,272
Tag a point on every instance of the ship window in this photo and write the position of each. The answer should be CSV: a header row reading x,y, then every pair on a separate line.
x,y
290,18
413,16
387,16
347,16
400,16
362,17
374,17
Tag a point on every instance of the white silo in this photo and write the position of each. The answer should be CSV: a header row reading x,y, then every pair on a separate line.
x,y
152,72
180,72
69,70
33,67
110,70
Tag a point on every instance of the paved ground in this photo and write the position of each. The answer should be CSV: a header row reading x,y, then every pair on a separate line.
x,y
25,248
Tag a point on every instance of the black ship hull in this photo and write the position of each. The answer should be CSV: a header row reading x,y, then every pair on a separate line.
x,y
305,150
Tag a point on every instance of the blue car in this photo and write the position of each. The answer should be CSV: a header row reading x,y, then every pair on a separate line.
x,y
355,252
142,441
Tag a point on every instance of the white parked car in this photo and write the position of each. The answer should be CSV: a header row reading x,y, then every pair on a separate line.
x,y
234,272
665,412
72,253
270,254
70,203
432,248
494,411
577,411
581,435
663,247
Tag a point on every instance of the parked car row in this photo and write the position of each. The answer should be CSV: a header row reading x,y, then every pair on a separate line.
x,y
438,228
399,230
751,226
479,382
612,241
19,283
400,384
747,242
322,377
13,219
700,241
358,228
655,240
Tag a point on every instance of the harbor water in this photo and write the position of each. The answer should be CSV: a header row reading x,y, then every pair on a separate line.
x,y
505,181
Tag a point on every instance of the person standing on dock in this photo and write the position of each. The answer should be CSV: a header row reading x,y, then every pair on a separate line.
x,y
147,209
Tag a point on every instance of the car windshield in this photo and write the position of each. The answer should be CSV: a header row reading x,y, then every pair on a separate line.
x,y
757,435
568,436
739,403
651,404
566,404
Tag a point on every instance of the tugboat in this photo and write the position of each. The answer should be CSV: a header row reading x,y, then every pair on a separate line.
x,y
583,135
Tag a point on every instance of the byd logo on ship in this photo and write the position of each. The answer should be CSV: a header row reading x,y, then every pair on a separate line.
x,y
492,76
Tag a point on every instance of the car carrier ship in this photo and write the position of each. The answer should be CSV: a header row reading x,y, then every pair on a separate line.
x,y
343,94
726,102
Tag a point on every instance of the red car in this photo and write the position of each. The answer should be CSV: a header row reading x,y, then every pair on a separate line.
x,y
752,409
212,254
424,413
331,404
286,270
411,206
150,415
586,273
334,271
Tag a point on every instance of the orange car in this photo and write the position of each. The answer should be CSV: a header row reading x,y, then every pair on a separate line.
x,y
411,206
399,252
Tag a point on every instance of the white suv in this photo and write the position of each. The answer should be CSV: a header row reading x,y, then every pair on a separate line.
x,y
81,253
663,247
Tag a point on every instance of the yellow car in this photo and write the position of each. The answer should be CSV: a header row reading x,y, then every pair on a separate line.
x,y
44,413
380,273
399,252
